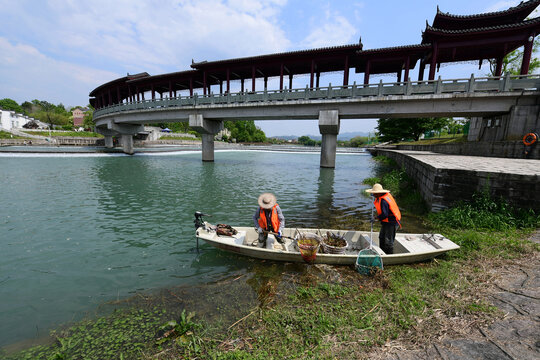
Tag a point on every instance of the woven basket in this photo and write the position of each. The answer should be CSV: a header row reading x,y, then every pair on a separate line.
x,y
329,249
308,244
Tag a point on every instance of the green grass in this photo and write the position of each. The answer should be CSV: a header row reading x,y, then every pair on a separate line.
x,y
444,139
8,135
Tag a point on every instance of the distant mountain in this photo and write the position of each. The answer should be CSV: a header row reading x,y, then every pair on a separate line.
x,y
343,136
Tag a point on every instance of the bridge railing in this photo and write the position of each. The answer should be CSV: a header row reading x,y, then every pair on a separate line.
x,y
407,88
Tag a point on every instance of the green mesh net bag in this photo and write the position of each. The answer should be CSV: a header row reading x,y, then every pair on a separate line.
x,y
368,262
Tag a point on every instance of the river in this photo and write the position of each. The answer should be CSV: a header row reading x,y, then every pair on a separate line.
x,y
78,230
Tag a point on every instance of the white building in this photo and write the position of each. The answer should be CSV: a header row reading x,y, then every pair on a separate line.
x,y
10,120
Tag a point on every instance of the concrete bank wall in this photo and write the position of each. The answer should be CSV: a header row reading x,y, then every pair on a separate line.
x,y
442,187
505,149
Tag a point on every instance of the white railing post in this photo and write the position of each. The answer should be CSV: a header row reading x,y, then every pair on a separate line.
x,y
438,85
380,88
470,87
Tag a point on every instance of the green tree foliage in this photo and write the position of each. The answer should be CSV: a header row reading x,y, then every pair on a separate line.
x,y
307,141
245,131
512,61
51,114
88,120
408,129
9,104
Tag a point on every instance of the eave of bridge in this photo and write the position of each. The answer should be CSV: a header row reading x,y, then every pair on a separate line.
x,y
509,16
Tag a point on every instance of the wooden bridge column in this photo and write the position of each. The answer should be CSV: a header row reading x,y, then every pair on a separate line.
x,y
204,83
228,81
498,69
290,80
281,77
346,72
527,51
433,63
253,78
366,72
407,66
421,70
312,72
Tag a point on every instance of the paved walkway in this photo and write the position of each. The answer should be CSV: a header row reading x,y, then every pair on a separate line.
x,y
476,163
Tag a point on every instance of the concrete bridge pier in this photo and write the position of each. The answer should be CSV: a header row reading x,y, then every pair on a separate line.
x,y
126,131
109,141
108,134
208,129
329,128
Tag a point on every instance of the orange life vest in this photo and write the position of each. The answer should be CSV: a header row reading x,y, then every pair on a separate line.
x,y
391,204
273,218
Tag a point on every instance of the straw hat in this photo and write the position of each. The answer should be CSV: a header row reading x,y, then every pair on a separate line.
x,y
377,189
267,200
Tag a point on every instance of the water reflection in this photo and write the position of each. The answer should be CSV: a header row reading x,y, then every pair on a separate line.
x,y
325,195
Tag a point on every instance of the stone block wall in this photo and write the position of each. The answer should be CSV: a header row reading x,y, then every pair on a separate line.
x,y
503,149
441,188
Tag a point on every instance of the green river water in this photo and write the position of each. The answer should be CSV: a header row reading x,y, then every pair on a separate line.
x,y
79,230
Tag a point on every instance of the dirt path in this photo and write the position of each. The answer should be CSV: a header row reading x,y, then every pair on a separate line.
x,y
516,292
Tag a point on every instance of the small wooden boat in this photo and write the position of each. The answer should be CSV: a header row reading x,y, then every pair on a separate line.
x,y
408,248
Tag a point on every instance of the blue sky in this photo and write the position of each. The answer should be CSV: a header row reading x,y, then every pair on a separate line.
x,y
59,50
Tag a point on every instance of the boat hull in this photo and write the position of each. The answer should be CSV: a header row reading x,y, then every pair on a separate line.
x,y
410,248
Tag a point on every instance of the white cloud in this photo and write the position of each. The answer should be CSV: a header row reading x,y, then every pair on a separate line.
x,y
152,36
28,74
502,5
334,30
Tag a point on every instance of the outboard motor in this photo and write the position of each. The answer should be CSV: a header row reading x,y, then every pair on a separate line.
x,y
199,221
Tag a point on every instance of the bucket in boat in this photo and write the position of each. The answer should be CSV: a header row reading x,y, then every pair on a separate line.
x,y
308,244
333,243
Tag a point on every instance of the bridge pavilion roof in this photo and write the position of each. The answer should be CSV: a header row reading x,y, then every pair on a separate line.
x,y
118,82
294,62
451,38
509,16
490,42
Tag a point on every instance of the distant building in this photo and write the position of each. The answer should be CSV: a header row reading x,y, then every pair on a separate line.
x,y
10,120
78,116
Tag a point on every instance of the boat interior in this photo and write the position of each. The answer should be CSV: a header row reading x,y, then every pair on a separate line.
x,y
356,240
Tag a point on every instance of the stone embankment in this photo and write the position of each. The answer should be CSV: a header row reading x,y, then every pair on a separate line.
x,y
444,179
504,149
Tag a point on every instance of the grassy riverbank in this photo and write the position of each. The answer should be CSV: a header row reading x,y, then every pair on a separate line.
x,y
323,312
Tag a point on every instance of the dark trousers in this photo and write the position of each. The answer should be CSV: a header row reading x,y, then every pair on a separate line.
x,y
387,236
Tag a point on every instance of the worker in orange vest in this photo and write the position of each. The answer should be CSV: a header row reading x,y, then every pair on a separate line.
x,y
268,218
389,216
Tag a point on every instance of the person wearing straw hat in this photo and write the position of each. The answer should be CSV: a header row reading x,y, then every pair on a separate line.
x,y
389,216
268,218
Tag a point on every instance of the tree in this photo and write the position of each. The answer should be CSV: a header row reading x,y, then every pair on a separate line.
x,y
88,120
408,129
9,104
512,62
50,113
245,131
306,141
